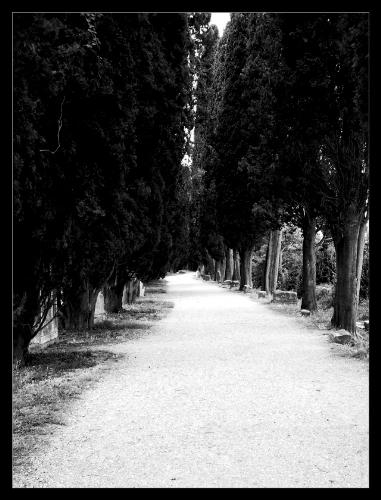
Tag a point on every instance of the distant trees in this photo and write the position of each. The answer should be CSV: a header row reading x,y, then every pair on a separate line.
x,y
233,214
101,102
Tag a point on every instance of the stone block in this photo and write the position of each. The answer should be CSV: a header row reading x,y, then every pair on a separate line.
x,y
341,336
285,297
100,304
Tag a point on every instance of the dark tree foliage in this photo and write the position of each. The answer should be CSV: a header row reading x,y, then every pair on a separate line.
x,y
55,65
100,106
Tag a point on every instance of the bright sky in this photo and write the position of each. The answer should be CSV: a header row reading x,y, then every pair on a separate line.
x,y
220,19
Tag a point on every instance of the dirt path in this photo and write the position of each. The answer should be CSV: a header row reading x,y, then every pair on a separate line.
x,y
223,392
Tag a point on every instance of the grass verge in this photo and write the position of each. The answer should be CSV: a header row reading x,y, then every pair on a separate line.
x,y
321,319
60,373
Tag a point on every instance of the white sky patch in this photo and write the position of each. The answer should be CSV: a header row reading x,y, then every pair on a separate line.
x,y
220,19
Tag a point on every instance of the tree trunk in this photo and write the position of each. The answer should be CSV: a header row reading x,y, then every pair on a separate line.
x,y
236,266
360,257
79,308
345,300
132,290
269,259
274,268
220,270
280,261
246,265
92,304
21,339
216,271
113,298
210,265
24,317
223,269
309,264
229,264
265,281
272,261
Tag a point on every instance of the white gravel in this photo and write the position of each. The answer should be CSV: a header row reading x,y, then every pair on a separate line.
x,y
223,392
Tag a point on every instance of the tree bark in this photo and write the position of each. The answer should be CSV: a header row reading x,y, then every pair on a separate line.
x,y
79,308
269,259
23,321
236,266
229,264
345,300
246,266
210,265
132,290
309,264
21,339
216,272
113,298
265,285
360,257
274,268
272,261
219,270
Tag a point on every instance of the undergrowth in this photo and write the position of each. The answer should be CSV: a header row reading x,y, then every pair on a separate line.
x,y
359,345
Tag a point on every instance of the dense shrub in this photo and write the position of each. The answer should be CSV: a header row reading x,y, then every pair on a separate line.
x,y
325,263
324,295
290,274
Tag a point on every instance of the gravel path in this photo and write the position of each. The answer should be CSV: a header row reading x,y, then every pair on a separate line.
x,y
223,392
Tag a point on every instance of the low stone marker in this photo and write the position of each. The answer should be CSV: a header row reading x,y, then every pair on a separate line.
x,y
305,312
206,277
100,305
341,336
285,297
261,294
